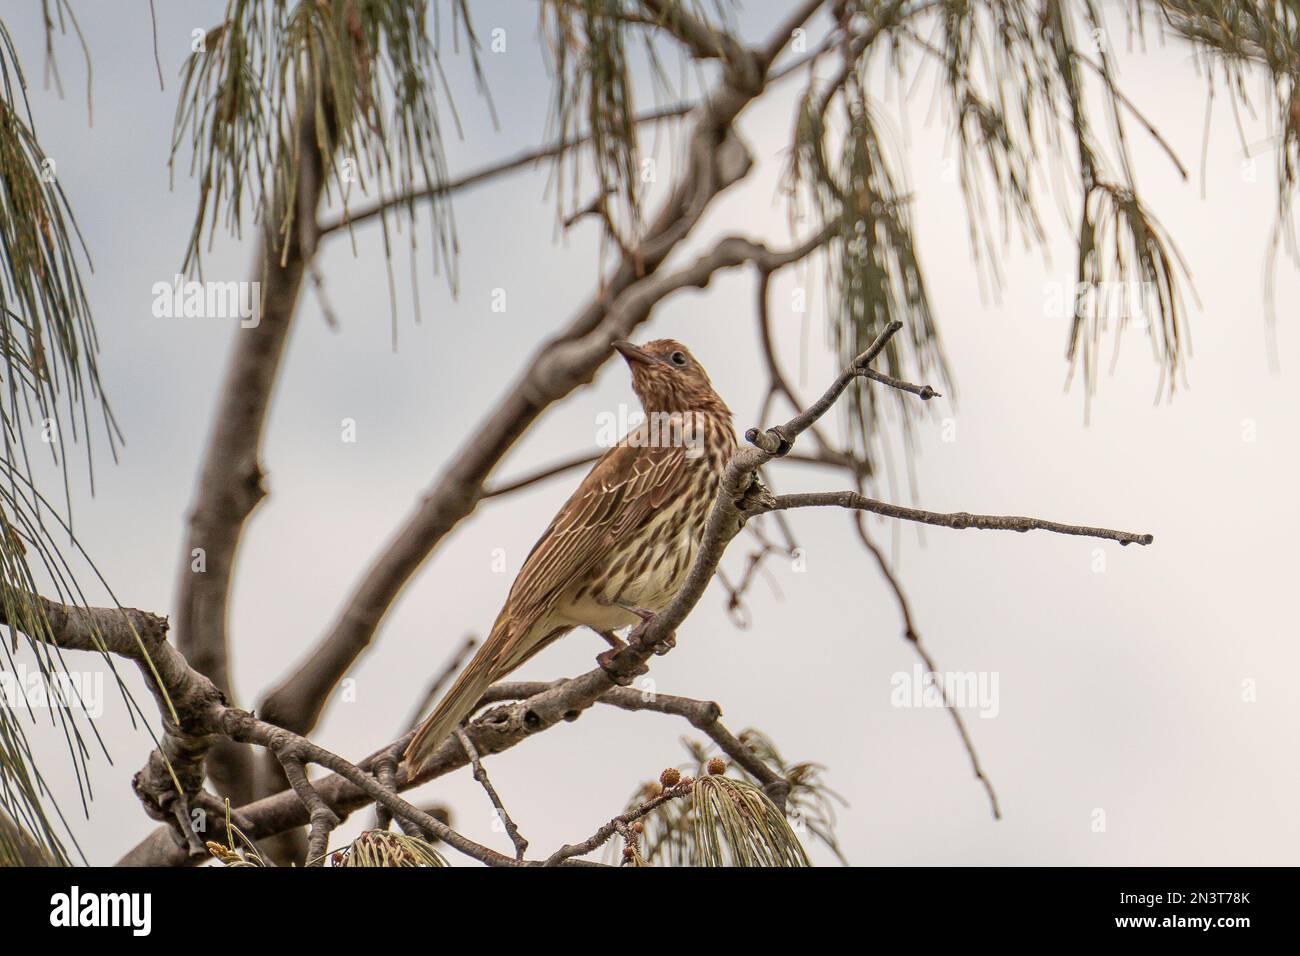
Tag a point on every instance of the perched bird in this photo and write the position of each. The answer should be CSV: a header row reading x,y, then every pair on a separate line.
x,y
622,545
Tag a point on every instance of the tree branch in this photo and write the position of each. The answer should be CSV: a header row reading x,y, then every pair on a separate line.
x,y
782,36
957,520
703,715
517,838
698,36
195,714
619,823
487,173
231,477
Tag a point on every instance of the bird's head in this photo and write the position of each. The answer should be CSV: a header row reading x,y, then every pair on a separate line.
x,y
667,378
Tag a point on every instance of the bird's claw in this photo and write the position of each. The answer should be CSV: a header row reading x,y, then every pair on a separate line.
x,y
637,636
755,499
666,645
607,660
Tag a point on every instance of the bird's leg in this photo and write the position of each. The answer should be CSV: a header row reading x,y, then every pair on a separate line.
x,y
660,647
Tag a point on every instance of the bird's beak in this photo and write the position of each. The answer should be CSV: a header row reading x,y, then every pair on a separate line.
x,y
633,353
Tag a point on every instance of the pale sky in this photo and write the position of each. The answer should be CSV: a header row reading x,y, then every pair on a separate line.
x,y
1120,680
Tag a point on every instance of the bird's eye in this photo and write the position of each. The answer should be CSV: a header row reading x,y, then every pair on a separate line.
x,y
678,358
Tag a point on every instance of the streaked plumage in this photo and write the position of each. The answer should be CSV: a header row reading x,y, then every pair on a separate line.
x,y
625,539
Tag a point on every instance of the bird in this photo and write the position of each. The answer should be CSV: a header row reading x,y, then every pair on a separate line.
x,y
621,546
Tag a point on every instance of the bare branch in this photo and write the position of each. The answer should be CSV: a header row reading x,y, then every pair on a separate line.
x,y
323,819
487,173
550,471
957,520
195,714
776,376
923,392
736,593
704,41
618,824
231,477
242,726
703,715
517,838
783,34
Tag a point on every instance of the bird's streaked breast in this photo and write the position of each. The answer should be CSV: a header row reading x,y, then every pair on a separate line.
x,y
649,570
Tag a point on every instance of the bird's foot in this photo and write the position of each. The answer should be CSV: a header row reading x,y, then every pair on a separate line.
x,y
755,499
637,634
609,664
667,644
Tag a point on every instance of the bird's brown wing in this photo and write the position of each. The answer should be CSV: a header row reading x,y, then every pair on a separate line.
x,y
615,499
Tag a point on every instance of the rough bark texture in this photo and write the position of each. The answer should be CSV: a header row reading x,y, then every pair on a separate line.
x,y
231,477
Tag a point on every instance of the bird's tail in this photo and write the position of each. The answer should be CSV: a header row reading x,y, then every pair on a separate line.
x,y
455,705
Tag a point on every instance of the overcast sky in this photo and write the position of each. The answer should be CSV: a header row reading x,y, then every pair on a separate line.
x,y
1119,689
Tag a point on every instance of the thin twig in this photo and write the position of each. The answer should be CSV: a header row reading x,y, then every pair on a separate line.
x,y
958,520
703,715
924,392
487,173
295,751
386,771
517,838
549,471
618,823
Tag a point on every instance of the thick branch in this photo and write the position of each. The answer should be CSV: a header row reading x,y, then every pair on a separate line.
x,y
170,782
230,478
194,714
703,40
